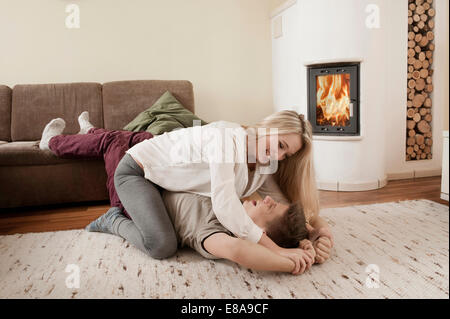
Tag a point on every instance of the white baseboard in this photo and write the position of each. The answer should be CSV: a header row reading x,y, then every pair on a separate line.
x,y
358,187
403,175
338,186
414,174
427,173
327,185
444,196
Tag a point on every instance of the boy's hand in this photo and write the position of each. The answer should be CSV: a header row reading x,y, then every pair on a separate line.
x,y
302,259
305,244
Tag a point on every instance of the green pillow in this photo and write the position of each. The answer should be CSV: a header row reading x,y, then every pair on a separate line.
x,y
165,115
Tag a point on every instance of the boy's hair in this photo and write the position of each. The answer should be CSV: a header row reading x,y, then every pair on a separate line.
x,y
288,230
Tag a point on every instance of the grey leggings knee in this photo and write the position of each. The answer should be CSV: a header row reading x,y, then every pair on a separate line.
x,y
150,229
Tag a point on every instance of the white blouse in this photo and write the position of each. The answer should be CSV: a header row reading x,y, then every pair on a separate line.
x,y
209,160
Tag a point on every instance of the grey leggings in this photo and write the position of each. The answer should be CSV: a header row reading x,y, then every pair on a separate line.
x,y
150,229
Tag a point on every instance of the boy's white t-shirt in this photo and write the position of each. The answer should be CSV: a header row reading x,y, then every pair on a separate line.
x,y
209,160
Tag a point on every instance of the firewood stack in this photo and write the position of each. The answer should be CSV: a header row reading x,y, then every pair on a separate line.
x,y
419,137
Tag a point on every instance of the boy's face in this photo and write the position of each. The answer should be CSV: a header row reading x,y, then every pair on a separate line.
x,y
263,212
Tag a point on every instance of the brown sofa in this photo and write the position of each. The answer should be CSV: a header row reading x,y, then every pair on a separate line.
x,y
29,176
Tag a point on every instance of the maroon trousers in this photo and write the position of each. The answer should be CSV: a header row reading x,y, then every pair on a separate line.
x,y
99,143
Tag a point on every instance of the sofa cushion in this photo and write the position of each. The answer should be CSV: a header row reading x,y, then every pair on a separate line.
x,y
27,153
5,113
124,100
34,105
165,115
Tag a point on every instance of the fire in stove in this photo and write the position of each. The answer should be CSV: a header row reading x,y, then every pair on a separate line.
x,y
333,99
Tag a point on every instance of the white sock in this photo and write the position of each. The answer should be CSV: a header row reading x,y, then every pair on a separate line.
x,y
55,127
85,125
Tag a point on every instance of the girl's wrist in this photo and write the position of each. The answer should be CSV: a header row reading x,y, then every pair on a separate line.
x,y
326,232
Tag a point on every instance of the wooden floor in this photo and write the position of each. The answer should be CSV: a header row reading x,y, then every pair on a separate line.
x,y
67,217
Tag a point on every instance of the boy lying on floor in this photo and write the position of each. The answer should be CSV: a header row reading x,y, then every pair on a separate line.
x,y
197,227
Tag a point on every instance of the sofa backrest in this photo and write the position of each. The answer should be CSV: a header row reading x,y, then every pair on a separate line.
x,y
34,105
28,108
5,113
124,100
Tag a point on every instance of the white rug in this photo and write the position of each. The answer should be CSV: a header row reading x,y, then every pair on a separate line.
x,y
390,250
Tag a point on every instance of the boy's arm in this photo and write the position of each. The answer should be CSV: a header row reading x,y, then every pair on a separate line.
x,y
246,253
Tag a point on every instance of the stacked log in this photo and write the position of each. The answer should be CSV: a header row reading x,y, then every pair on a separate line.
x,y
419,139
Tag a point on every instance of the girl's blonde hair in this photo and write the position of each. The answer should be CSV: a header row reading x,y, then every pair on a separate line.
x,y
295,175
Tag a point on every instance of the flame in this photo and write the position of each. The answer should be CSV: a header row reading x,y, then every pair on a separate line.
x,y
333,100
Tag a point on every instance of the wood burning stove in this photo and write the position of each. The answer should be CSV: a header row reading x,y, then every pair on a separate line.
x,y
333,99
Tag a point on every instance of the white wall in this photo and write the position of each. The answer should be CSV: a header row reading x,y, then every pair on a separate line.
x,y
287,71
222,46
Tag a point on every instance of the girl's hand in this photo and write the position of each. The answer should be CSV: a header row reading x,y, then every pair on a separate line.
x,y
302,259
322,242
315,233
305,244
322,247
